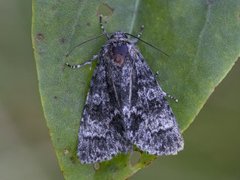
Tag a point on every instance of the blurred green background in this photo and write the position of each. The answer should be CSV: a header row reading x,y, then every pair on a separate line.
x,y
212,143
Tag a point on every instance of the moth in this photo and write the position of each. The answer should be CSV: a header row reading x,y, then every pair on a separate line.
x,y
125,105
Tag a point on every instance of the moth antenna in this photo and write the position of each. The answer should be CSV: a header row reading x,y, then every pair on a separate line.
x,y
96,37
148,44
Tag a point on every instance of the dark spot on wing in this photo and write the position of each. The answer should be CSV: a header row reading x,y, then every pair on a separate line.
x,y
117,124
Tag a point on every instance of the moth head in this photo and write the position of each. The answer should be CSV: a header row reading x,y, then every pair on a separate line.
x,y
118,36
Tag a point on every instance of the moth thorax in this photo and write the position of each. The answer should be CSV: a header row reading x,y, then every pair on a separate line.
x,y
119,53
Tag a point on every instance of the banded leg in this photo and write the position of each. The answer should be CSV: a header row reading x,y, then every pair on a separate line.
x,y
172,97
138,35
141,31
102,27
83,64
167,95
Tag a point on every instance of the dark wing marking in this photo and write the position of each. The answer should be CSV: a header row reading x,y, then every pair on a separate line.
x,y
101,134
153,126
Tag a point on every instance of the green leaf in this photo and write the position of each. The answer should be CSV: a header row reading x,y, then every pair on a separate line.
x,y
201,37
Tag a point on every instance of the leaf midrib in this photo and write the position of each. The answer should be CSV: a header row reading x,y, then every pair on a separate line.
x,y
134,16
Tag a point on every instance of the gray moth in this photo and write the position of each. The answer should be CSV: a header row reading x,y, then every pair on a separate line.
x,y
125,105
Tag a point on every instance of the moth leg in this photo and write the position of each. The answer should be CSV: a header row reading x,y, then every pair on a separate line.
x,y
172,97
138,35
141,31
102,27
166,94
83,64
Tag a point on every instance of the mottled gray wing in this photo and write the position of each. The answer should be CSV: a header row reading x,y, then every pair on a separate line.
x,y
153,126
101,134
